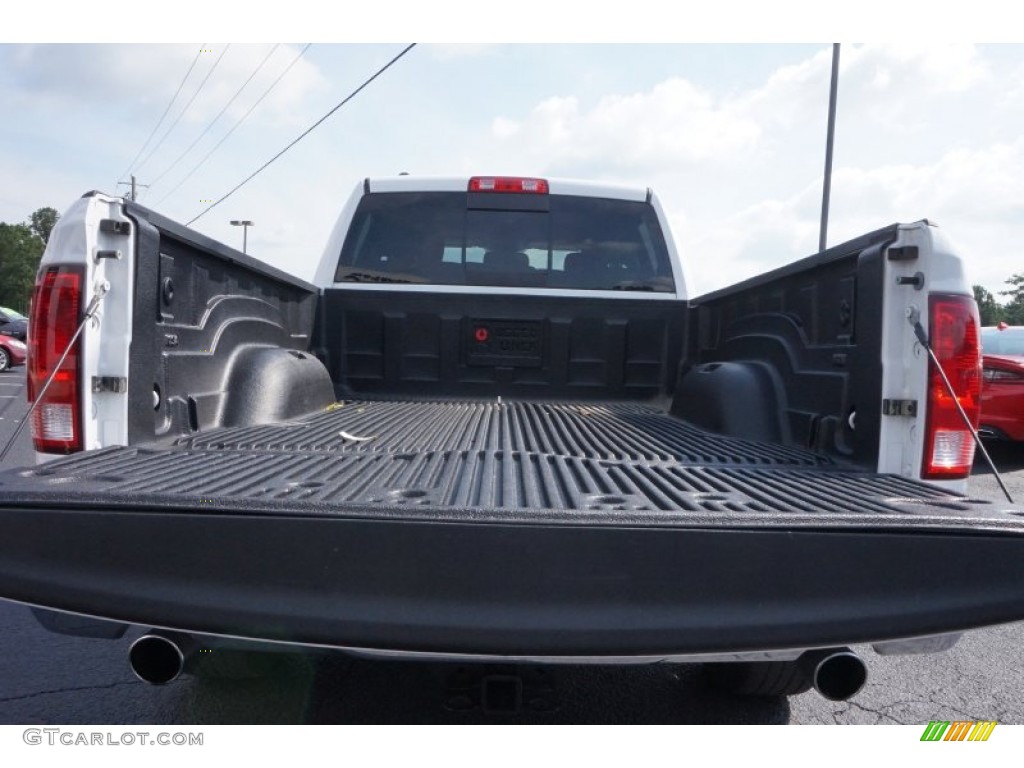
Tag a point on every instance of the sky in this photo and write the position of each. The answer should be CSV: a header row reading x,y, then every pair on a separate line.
x,y
730,135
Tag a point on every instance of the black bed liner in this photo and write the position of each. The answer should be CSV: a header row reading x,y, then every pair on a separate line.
x,y
511,461
532,530
607,431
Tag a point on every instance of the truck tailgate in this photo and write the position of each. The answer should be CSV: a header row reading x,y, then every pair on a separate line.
x,y
533,529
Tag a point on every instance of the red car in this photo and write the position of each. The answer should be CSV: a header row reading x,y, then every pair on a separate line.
x,y
1002,392
12,352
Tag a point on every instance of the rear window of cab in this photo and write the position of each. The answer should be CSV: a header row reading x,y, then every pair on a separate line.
x,y
514,240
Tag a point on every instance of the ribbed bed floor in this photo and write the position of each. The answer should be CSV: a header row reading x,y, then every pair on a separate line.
x,y
534,462
611,432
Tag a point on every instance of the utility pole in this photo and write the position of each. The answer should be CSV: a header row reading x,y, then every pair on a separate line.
x,y
245,231
132,184
830,136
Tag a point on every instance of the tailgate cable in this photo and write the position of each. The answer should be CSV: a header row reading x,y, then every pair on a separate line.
x,y
90,311
914,318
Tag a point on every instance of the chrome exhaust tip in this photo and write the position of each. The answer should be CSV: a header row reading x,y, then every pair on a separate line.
x,y
836,673
158,658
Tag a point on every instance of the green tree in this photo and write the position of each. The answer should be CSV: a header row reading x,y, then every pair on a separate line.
x,y
20,251
21,248
1013,310
42,222
989,309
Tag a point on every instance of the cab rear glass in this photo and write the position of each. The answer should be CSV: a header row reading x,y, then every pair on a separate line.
x,y
529,241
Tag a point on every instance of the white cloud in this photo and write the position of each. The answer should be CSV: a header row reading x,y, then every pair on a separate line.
x,y
25,186
914,139
459,50
674,123
94,77
941,69
922,131
503,128
886,89
977,197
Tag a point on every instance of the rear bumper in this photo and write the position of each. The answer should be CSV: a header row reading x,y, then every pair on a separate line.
x,y
520,590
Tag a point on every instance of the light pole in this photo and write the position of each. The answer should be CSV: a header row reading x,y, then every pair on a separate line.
x,y
245,231
826,190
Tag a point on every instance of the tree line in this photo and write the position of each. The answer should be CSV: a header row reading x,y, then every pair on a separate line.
x,y
21,248
1010,311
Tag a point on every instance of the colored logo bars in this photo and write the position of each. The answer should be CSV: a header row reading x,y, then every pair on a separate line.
x,y
958,730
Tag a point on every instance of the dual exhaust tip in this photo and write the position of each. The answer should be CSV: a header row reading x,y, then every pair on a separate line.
x,y
158,658
836,673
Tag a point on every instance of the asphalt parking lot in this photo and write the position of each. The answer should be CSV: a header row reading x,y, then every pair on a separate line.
x,y
48,678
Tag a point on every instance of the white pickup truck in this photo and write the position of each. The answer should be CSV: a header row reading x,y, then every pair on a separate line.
x,y
497,427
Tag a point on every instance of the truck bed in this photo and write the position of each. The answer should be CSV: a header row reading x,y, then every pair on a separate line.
x,y
538,530
534,530
545,501
529,461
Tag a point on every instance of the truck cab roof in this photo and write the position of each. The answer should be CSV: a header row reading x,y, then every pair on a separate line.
x,y
555,186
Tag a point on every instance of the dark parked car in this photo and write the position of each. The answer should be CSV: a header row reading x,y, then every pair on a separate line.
x,y
13,323
12,352
1002,393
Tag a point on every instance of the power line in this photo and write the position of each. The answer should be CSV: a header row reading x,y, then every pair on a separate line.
x,y
182,113
238,123
305,133
219,115
156,127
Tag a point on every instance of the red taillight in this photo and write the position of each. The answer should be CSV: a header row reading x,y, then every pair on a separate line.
x,y
56,304
508,184
953,331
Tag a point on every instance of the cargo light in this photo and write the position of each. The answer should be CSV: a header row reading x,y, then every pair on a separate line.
x,y
56,304
949,444
508,184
